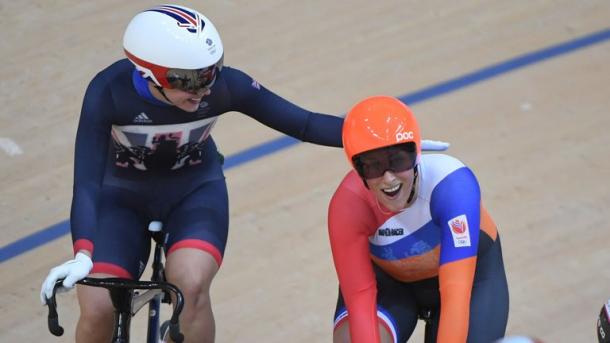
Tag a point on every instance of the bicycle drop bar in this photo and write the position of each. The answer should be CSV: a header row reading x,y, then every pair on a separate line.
x,y
127,285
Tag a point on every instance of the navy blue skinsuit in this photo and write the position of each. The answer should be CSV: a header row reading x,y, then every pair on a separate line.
x,y
138,159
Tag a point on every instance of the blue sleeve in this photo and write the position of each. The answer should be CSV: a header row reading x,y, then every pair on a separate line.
x,y
91,149
455,208
254,100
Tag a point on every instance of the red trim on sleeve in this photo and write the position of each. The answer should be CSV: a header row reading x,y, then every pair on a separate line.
x,y
83,244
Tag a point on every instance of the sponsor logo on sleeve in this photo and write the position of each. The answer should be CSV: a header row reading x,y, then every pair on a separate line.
x,y
459,231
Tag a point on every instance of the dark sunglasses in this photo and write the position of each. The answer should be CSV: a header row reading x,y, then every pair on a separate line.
x,y
193,80
396,158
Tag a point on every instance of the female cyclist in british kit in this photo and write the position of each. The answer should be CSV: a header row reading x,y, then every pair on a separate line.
x,y
144,153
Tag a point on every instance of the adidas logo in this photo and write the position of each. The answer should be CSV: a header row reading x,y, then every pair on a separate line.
x,y
142,118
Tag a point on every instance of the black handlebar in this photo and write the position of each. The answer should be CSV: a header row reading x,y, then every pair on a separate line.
x,y
53,320
126,284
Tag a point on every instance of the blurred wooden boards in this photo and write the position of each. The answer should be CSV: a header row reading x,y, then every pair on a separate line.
x,y
535,137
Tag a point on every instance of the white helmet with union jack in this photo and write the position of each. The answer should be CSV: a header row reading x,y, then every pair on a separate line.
x,y
174,47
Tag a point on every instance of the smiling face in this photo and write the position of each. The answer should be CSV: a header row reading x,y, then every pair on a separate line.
x,y
185,101
389,173
393,190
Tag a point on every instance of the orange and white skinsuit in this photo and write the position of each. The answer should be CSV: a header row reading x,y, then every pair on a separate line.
x,y
436,237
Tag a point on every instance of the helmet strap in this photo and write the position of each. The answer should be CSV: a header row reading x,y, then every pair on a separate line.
x,y
160,89
415,173
364,180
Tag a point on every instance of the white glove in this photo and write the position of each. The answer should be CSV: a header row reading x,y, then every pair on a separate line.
x,y
71,271
428,145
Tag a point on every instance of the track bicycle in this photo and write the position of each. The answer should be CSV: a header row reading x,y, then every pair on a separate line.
x,y
129,296
426,314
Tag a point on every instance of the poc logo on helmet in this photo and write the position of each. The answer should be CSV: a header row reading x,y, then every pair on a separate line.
x,y
403,136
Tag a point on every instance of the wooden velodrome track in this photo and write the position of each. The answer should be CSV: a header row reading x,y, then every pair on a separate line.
x,y
535,134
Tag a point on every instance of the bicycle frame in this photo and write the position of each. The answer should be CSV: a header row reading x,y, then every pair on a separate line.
x,y
154,304
426,315
127,302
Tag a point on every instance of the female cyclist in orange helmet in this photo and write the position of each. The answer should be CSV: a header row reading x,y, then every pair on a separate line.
x,y
408,231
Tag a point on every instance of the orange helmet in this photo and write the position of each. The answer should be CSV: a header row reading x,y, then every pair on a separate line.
x,y
378,122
